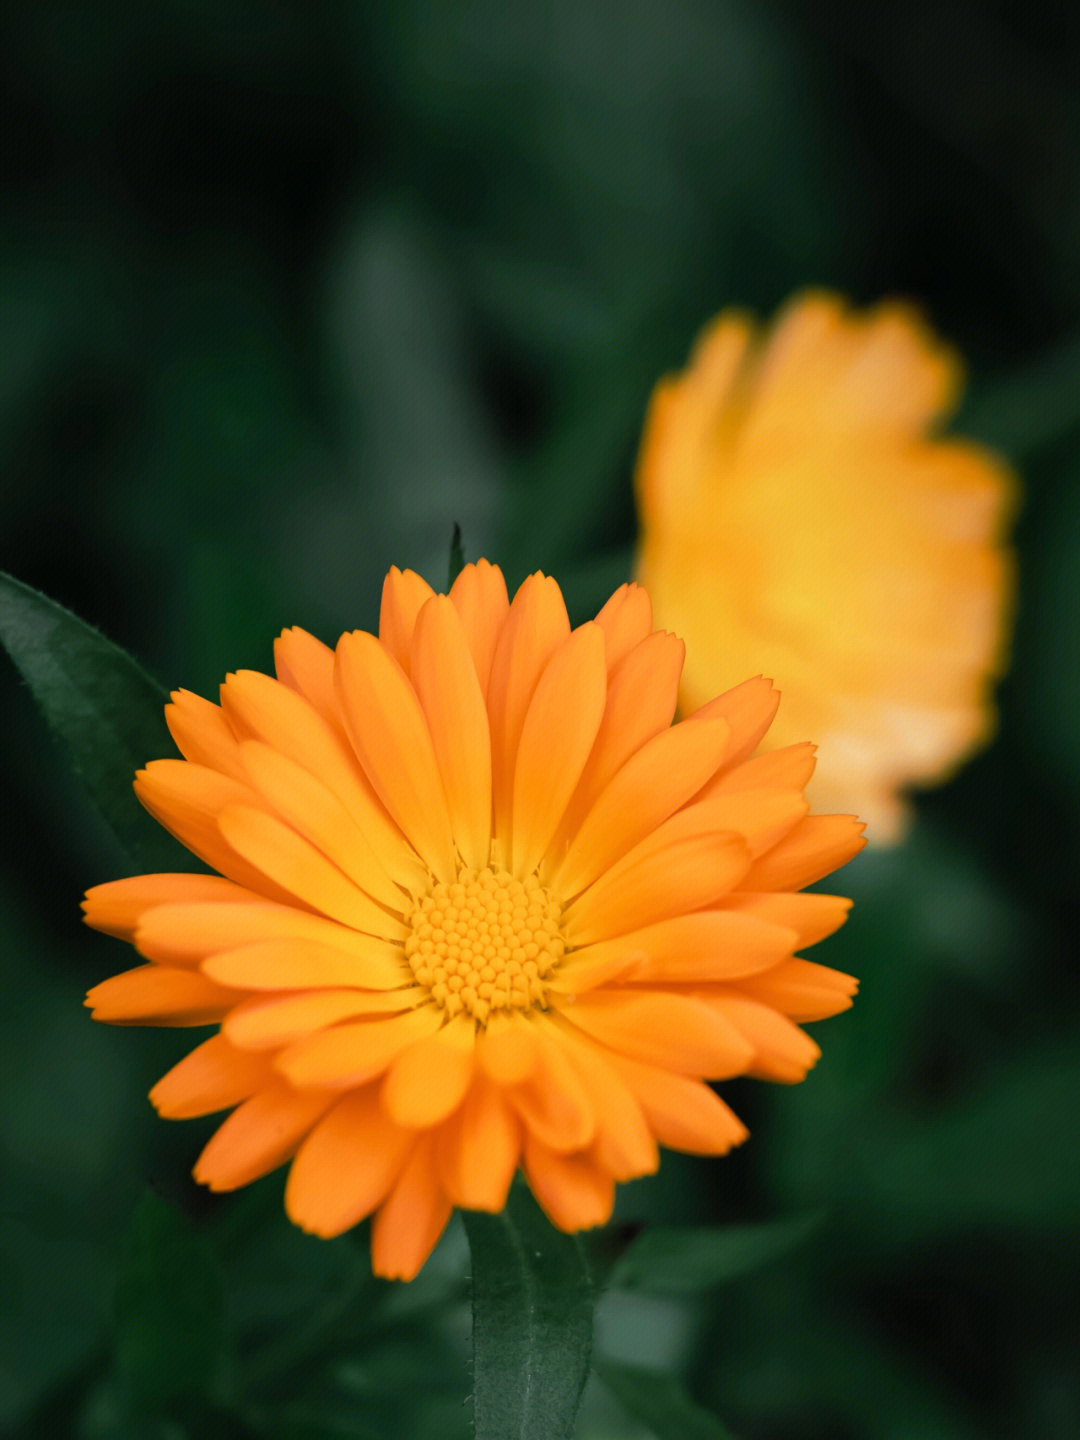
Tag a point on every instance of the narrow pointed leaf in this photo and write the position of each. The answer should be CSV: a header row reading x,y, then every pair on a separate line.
x,y
101,704
660,1402
669,1260
533,1305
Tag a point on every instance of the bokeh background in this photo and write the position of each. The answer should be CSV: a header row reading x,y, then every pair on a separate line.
x,y
288,289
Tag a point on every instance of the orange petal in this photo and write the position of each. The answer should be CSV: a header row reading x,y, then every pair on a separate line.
x,y
642,690
812,917
593,965
306,665
260,1135
479,596
749,710
684,1113
390,735
346,1166
816,846
653,784
786,769
358,1051
575,1191
410,1220
557,734
478,1149
268,1023
761,817
508,1050
626,619
624,1143
187,799
312,810
404,594
117,906
203,734
782,1051
656,881
428,1081
555,1103
678,1032
264,709
802,990
446,683
705,945
536,625
215,1076
160,995
297,964
295,866
186,934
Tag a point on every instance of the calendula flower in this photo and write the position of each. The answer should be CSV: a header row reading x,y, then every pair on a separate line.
x,y
480,906
799,514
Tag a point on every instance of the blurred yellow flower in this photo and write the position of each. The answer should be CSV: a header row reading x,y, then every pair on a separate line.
x,y
479,905
800,517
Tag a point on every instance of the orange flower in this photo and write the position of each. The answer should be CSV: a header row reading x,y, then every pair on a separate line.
x,y
797,517
480,906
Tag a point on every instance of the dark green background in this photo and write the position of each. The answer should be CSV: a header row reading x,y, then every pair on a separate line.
x,y
287,290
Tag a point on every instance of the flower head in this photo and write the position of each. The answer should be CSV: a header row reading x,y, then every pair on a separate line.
x,y
480,905
798,516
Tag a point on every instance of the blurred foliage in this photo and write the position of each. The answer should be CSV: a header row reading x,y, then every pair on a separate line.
x,y
286,290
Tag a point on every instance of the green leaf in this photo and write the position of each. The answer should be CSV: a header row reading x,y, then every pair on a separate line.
x,y
668,1260
457,556
102,705
661,1403
170,1311
533,1306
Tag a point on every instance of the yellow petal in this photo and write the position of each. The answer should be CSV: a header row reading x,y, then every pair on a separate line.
x,y
203,734
410,1220
478,1149
260,1135
268,1023
678,1032
215,1076
346,1166
312,810
554,1103
450,693
626,619
656,881
390,735
295,866
684,1114
403,596
264,709
185,934
815,847
536,625
299,964
358,1051
556,738
666,772
118,906
160,995
575,1191
428,1081
480,598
